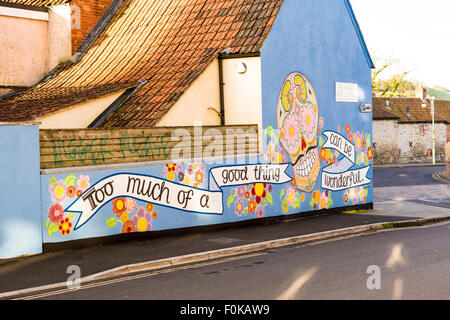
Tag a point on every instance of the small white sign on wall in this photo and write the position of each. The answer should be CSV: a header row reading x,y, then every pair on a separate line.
x,y
347,92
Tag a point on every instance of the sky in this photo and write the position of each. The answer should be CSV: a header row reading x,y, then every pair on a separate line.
x,y
414,33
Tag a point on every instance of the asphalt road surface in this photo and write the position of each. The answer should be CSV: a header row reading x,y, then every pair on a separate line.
x,y
411,263
414,184
408,176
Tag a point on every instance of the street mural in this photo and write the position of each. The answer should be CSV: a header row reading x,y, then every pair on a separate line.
x,y
298,120
309,163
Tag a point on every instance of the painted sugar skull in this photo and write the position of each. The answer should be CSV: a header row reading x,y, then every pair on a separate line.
x,y
298,119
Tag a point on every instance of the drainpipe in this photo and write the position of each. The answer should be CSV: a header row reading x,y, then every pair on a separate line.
x,y
221,91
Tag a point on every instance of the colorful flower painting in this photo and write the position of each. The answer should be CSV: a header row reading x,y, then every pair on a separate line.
x,y
275,154
356,195
291,198
133,217
61,192
251,199
321,200
192,175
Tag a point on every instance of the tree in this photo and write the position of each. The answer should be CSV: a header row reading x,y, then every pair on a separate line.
x,y
396,86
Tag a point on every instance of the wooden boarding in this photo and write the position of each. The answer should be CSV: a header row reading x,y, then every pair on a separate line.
x,y
65,148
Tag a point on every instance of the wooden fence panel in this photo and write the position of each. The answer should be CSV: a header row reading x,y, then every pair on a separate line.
x,y
64,148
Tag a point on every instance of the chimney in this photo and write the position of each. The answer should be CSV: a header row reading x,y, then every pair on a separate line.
x,y
421,92
85,15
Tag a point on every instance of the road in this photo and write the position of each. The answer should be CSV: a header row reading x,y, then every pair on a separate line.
x,y
414,184
413,264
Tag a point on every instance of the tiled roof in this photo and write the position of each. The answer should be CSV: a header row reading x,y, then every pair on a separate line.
x,y
400,107
37,3
380,112
443,108
168,44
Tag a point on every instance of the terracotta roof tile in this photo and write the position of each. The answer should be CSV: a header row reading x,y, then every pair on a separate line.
x,y
168,44
37,3
399,108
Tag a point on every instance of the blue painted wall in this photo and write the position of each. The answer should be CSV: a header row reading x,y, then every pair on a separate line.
x,y
320,40
20,214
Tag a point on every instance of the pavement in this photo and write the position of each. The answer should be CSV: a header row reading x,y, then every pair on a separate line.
x,y
49,270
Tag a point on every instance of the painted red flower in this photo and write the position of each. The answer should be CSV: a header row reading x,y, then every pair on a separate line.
x,y
119,206
128,227
64,226
370,153
259,191
55,213
71,191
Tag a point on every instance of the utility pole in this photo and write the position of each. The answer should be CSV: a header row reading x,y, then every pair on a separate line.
x,y
434,131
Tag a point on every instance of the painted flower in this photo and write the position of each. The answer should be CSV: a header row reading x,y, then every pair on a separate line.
x,y
363,142
64,226
358,140
55,213
181,176
199,177
251,205
316,196
290,196
285,205
79,193
239,207
190,170
83,183
323,204
71,191
130,204
155,215
128,227
142,219
240,192
149,207
187,179
347,129
308,121
52,180
179,169
124,217
362,157
119,206
291,130
171,171
58,191
247,195
259,191
260,212
370,153
346,198
362,194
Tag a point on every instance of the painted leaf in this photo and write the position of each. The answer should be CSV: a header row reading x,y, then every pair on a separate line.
x,y
282,193
53,227
269,198
230,200
70,180
358,159
321,142
330,202
368,141
269,131
111,222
